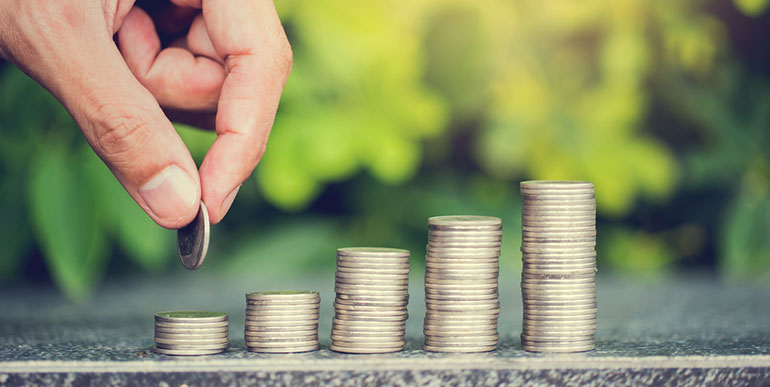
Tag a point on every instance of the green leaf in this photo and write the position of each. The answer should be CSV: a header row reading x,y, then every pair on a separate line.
x,y
65,223
745,246
14,231
147,244
752,7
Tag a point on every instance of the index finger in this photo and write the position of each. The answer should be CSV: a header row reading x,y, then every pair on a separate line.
x,y
258,59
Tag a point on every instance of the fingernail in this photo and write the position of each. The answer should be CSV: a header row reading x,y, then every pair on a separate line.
x,y
228,201
170,194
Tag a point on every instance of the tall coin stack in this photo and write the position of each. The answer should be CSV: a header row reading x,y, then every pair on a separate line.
x,y
282,322
372,286
559,266
190,333
461,270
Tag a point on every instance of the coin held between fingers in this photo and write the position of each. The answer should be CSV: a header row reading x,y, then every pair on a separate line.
x,y
193,240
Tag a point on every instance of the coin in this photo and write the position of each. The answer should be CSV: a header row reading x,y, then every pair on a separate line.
x,y
193,240
343,349
463,348
184,352
190,316
372,252
298,349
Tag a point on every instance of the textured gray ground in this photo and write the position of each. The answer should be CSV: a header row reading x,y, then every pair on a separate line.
x,y
684,330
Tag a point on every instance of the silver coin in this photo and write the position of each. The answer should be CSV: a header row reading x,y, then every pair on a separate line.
x,y
554,312
556,303
537,231
373,300
555,249
465,233
545,202
297,344
450,298
450,261
556,341
190,316
360,324
441,341
191,347
279,334
548,234
451,266
195,341
559,257
272,340
370,309
446,250
184,352
557,349
465,237
308,348
556,185
282,312
433,288
581,264
188,336
358,317
460,292
191,330
565,330
465,220
292,295
278,327
353,332
349,278
372,252
371,290
433,325
558,218
220,324
337,348
529,197
347,339
469,332
354,265
464,349
367,271
193,240
461,277
462,305
369,305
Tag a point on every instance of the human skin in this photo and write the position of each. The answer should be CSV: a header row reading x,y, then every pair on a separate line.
x,y
227,73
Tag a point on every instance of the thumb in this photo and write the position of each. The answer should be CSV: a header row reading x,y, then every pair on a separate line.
x,y
127,129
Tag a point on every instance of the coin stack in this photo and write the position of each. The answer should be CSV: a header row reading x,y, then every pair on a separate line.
x,y
461,270
559,266
190,333
372,286
282,322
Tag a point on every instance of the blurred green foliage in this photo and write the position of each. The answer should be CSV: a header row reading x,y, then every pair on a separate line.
x,y
399,111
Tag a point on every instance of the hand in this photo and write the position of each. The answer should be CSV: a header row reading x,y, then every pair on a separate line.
x,y
227,72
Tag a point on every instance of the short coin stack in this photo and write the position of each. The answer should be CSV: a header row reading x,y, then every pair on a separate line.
x,y
559,266
282,322
372,286
190,333
461,270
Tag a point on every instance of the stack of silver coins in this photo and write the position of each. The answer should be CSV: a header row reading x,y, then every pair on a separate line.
x,y
190,333
461,270
372,286
282,322
559,266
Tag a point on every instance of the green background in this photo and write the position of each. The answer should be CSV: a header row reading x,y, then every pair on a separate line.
x,y
397,111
